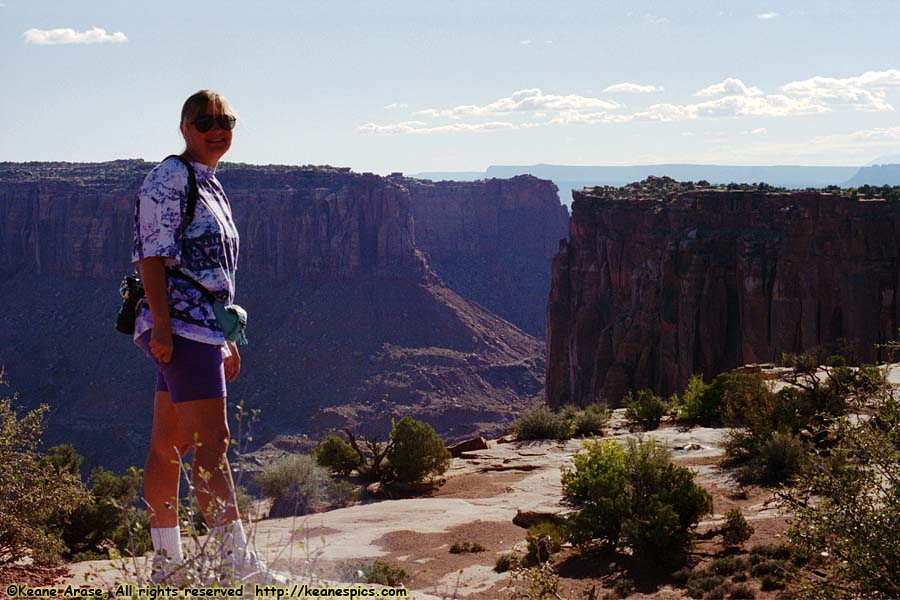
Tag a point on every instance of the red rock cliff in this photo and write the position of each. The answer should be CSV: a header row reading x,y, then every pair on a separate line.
x,y
660,281
68,220
492,240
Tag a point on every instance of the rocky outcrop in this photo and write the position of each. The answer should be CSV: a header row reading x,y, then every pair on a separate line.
x,y
349,325
662,280
492,240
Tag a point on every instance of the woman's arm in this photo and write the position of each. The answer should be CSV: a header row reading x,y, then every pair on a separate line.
x,y
153,275
232,362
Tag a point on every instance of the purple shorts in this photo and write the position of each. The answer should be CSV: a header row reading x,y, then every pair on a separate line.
x,y
196,371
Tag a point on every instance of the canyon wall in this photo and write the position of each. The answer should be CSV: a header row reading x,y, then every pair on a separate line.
x,y
293,222
492,241
661,280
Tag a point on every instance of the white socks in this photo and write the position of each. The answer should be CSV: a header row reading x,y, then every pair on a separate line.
x,y
167,540
234,540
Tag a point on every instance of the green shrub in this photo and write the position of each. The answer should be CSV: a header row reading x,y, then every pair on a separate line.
x,y
336,455
771,582
646,410
769,566
634,498
296,484
378,572
762,552
735,531
416,452
32,493
464,547
590,420
111,518
698,586
543,539
506,561
782,457
856,515
540,422
342,493
729,565
700,403
742,591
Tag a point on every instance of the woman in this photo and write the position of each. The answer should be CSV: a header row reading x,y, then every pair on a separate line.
x,y
177,328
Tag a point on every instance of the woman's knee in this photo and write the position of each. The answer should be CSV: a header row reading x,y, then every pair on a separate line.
x,y
165,449
212,440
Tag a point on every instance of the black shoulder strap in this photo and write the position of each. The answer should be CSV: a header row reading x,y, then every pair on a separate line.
x,y
173,272
191,207
186,220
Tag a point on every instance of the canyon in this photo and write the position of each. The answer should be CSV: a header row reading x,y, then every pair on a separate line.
x,y
351,324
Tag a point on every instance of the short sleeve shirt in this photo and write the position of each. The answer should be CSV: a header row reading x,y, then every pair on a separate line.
x,y
206,251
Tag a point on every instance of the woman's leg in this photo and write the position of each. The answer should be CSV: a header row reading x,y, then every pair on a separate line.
x,y
162,469
204,426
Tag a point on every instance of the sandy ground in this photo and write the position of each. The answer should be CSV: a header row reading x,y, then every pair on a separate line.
x,y
483,493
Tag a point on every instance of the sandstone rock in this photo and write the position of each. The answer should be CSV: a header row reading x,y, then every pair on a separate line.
x,y
469,445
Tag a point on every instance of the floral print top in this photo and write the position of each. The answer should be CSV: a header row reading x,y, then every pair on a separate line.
x,y
207,251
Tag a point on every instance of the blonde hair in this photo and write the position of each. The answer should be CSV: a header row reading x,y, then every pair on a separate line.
x,y
203,101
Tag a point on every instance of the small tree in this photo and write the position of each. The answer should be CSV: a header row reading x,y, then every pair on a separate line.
x,y
31,493
848,507
646,410
112,517
735,531
416,452
634,498
337,455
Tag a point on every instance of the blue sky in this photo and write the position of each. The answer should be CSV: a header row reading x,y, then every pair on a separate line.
x,y
457,85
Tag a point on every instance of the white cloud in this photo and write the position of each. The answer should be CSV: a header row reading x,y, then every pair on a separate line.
x,y
529,100
863,92
651,19
767,16
420,127
396,106
525,42
548,42
52,37
730,106
730,98
633,88
729,85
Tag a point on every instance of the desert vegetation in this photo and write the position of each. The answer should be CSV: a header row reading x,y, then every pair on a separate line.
x,y
540,422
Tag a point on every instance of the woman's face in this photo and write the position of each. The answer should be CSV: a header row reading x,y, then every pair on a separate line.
x,y
209,146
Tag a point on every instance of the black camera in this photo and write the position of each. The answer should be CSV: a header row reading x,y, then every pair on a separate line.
x,y
132,290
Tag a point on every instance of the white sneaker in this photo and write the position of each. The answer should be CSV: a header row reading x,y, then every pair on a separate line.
x,y
165,571
251,569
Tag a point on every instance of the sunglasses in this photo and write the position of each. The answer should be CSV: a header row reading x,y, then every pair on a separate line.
x,y
204,123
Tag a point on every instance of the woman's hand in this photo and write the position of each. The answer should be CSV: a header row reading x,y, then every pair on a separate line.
x,y
153,274
161,343
232,362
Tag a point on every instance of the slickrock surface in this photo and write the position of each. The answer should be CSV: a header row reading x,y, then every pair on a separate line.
x,y
349,324
661,280
492,241
484,492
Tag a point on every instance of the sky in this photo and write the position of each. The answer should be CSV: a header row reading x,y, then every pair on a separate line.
x,y
457,85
